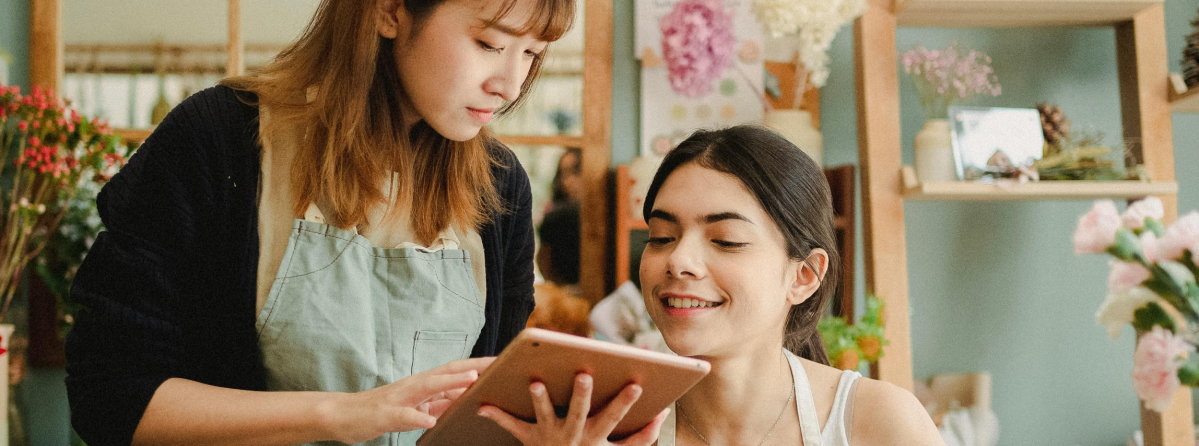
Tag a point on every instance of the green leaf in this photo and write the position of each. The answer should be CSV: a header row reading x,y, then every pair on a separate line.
x,y
1127,246
1156,226
1144,318
1189,374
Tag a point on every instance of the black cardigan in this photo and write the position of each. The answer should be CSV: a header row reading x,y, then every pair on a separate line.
x,y
170,288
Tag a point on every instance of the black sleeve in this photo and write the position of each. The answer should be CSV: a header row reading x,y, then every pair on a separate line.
x,y
518,255
127,341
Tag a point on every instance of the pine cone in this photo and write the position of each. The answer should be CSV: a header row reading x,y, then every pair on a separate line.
x,y
1055,125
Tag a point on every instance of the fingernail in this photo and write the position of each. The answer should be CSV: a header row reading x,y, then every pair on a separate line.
x,y
483,413
536,389
585,381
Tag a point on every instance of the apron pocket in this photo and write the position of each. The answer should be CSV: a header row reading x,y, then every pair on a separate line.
x,y
433,349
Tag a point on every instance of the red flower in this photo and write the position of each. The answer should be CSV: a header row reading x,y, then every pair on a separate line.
x,y
23,126
34,141
37,124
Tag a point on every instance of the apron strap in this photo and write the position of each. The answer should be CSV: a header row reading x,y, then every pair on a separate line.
x,y
809,423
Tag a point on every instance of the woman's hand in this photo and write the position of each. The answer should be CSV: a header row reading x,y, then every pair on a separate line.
x,y
411,403
576,429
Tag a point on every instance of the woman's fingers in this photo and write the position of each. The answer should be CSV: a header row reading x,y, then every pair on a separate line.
x,y
580,404
616,410
543,408
648,434
409,418
428,387
463,365
438,407
519,429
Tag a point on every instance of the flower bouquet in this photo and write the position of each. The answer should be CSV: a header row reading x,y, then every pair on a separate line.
x,y
814,23
1152,277
946,76
49,151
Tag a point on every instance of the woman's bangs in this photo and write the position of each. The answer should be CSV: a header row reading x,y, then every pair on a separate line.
x,y
548,21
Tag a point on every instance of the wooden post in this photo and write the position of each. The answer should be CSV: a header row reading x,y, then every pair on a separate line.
x,y
880,157
597,136
45,43
236,64
1144,101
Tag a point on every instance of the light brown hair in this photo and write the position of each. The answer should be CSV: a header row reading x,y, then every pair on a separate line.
x,y
354,135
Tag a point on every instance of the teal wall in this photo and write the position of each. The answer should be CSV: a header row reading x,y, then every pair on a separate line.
x,y
996,286
43,397
14,37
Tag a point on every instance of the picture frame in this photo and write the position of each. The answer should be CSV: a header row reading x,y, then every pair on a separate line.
x,y
990,143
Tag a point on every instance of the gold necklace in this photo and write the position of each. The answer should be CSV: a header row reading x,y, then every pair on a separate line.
x,y
760,443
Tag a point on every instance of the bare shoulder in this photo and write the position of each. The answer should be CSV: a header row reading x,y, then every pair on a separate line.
x,y
886,414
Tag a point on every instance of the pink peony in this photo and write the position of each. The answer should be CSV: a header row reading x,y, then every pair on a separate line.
x,y
1126,276
1097,229
1155,367
1182,235
697,44
1150,207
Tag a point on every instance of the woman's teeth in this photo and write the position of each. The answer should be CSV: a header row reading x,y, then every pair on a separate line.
x,y
675,302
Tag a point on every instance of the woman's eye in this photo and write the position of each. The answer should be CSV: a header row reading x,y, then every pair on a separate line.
x,y
533,55
728,244
658,241
487,47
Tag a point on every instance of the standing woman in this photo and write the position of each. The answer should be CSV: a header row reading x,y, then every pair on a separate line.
x,y
310,254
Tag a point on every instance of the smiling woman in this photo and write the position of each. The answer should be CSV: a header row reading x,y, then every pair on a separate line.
x,y
738,278
310,253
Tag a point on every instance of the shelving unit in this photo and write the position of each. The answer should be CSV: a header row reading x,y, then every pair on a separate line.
x,y
1036,191
1146,114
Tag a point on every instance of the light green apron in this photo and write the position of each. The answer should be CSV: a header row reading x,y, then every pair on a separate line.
x,y
345,316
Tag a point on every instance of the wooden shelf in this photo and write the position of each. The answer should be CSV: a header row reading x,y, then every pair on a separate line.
x,y
1017,13
1037,191
1185,102
133,135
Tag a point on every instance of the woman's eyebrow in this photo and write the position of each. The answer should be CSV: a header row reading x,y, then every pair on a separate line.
x,y
662,215
714,218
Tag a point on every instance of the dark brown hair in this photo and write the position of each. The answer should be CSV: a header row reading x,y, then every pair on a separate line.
x,y
793,191
354,121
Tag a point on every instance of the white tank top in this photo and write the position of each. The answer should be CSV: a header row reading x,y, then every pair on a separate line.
x,y
836,429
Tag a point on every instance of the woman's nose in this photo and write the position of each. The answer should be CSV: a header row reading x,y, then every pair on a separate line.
x,y
686,261
507,79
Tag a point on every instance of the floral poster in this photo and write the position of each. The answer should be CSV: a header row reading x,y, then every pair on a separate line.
x,y
701,67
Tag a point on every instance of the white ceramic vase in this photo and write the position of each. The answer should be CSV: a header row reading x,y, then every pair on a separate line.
x,y
934,152
796,126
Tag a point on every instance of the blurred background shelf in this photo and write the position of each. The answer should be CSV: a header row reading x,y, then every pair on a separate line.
x,y
1037,191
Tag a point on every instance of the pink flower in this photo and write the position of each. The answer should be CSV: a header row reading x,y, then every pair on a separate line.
x,y
1155,367
697,44
23,125
1181,236
1150,247
1097,229
1126,276
1151,207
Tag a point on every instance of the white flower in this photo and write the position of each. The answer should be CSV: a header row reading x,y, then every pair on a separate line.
x,y
1117,310
816,22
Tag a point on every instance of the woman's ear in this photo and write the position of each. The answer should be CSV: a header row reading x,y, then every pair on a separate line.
x,y
392,18
807,276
